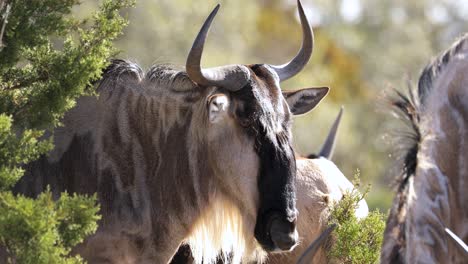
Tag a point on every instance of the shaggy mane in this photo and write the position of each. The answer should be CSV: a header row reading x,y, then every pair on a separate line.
x,y
409,106
407,109
432,71
159,75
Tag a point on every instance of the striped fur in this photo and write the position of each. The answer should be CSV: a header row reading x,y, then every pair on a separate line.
x,y
431,193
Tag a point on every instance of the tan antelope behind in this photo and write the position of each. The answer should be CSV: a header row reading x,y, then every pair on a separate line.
x,y
201,156
432,191
319,183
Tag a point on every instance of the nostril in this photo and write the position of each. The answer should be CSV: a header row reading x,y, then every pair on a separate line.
x,y
295,237
284,235
291,240
286,241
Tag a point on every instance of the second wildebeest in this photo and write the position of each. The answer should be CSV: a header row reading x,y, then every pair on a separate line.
x,y
431,196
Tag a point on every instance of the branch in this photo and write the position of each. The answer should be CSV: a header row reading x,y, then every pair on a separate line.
x,y
5,21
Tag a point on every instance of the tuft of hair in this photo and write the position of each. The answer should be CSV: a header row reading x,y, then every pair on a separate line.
x,y
223,232
406,108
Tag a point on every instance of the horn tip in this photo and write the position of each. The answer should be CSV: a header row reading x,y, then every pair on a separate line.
x,y
213,13
300,7
215,10
340,113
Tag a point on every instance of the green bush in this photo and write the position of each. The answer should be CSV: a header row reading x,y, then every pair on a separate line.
x,y
48,58
356,241
43,231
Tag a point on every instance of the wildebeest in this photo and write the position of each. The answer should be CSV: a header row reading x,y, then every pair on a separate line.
x,y
201,156
432,189
319,184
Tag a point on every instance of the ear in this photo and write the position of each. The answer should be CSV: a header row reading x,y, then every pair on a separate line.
x,y
217,107
304,100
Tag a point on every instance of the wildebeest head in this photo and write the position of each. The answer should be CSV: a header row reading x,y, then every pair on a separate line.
x,y
249,134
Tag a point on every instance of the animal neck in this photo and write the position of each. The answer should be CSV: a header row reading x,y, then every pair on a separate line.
x,y
437,194
149,155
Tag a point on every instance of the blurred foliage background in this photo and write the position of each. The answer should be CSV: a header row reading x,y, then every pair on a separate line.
x,y
362,47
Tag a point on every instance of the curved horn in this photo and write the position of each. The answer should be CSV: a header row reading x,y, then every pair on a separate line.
x,y
329,145
293,67
311,250
232,77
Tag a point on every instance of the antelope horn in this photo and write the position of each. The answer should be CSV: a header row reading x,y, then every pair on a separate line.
x,y
293,67
310,252
231,77
329,145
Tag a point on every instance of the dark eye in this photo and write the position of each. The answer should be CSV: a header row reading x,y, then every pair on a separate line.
x,y
245,122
